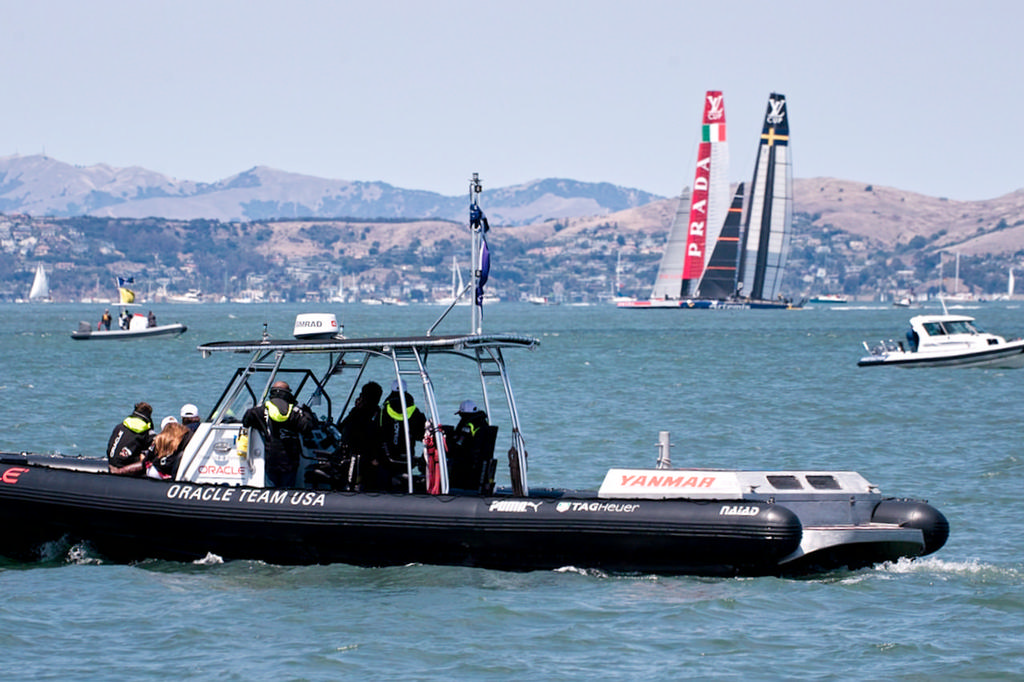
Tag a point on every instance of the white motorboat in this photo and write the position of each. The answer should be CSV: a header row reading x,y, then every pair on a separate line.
x,y
946,341
138,328
829,299
130,325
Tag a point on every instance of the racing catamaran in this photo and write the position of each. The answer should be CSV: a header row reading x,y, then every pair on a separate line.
x,y
709,260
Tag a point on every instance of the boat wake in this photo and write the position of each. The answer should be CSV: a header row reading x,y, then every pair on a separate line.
x,y
944,569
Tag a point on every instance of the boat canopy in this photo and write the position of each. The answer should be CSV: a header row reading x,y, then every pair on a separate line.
x,y
325,374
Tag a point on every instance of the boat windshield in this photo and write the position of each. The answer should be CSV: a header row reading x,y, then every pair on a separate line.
x,y
960,327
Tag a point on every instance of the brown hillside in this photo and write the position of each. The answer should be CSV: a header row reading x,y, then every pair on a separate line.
x,y
881,215
892,216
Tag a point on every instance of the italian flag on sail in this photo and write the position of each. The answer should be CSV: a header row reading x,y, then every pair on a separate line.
x,y
714,132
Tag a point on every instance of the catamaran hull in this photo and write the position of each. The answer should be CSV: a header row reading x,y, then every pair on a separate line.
x,y
1006,356
707,304
127,519
122,334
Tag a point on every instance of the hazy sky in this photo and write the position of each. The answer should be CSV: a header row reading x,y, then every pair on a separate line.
x,y
922,96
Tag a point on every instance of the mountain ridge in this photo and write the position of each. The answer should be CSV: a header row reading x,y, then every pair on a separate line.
x,y
885,217
41,186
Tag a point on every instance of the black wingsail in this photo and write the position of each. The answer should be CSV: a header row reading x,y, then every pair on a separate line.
x,y
719,281
770,215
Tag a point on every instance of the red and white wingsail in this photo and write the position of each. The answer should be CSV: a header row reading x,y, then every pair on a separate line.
x,y
697,225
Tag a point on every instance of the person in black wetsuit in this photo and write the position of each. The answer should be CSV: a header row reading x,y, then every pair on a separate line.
x,y
282,424
465,446
392,433
358,460
163,456
129,441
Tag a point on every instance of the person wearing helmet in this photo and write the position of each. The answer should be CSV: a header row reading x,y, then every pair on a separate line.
x,y
282,423
466,443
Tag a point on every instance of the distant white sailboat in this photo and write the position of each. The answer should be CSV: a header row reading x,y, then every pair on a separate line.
x,y
617,296
958,295
457,286
1010,285
339,295
40,286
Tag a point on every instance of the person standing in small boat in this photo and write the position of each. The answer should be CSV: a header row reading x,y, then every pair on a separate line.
x,y
106,320
359,445
130,440
151,319
282,424
393,433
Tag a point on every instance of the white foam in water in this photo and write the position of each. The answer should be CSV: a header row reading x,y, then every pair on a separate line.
x,y
81,554
210,559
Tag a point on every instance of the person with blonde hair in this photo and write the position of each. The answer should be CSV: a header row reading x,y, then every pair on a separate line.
x,y
163,457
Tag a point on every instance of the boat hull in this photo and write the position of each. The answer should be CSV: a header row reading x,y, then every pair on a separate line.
x,y
175,329
48,498
706,304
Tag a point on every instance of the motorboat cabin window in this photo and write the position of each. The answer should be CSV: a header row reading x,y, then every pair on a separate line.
x,y
960,327
785,482
933,329
823,482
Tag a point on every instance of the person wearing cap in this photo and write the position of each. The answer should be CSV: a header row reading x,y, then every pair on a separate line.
x,y
190,416
465,446
392,432
129,441
282,424
471,420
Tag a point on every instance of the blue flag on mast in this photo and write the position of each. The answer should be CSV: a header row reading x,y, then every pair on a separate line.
x,y
478,222
485,269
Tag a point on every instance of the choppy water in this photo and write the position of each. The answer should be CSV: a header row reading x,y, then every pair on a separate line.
x,y
746,389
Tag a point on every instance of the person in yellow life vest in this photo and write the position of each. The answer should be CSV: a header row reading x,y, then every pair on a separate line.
x,y
130,440
282,423
465,443
392,433
471,422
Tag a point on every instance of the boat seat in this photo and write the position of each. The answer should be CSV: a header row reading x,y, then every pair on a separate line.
x,y
472,469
